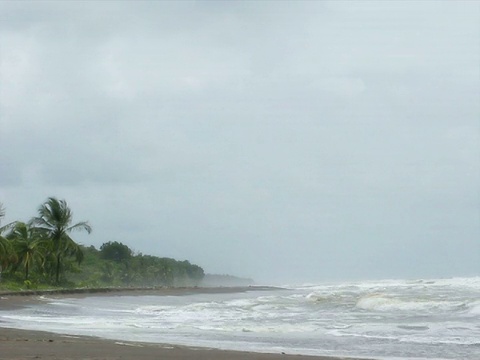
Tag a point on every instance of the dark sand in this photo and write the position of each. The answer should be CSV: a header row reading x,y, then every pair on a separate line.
x,y
22,344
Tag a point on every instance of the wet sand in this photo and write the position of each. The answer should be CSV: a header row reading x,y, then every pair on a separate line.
x,y
22,344
25,344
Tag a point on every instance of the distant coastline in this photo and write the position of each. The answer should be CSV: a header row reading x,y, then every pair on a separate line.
x,y
140,290
215,280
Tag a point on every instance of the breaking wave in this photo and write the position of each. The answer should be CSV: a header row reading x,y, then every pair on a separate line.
x,y
438,319
385,303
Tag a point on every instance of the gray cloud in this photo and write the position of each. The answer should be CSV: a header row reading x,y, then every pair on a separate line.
x,y
287,141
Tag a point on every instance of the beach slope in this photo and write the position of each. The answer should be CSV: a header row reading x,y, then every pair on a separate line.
x,y
21,344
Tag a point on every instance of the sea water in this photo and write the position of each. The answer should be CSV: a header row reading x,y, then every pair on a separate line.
x,y
389,319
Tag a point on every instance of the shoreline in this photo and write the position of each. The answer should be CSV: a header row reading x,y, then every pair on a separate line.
x,y
16,344
10,300
23,344
196,289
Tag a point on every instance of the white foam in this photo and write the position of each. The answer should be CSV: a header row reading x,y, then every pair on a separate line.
x,y
475,308
385,303
392,316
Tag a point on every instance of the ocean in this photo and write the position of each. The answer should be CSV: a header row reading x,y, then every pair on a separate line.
x,y
388,319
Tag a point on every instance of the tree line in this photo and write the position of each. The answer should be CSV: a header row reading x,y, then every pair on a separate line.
x,y
41,252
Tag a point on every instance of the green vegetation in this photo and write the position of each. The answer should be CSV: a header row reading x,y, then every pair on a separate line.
x,y
41,253
55,223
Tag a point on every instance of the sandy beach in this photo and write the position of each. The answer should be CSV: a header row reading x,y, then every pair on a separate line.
x,y
23,344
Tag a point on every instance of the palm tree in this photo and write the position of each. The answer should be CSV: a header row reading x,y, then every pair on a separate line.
x,y
55,222
29,246
7,256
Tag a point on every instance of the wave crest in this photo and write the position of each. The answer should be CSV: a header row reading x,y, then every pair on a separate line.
x,y
381,302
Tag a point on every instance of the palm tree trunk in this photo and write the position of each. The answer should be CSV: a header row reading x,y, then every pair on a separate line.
x,y
26,271
57,270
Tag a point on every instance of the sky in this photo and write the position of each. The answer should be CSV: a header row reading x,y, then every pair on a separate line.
x,y
282,141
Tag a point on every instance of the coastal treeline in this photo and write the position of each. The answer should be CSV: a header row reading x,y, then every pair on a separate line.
x,y
115,264
42,253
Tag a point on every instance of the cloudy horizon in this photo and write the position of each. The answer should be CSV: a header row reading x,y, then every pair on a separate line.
x,y
283,141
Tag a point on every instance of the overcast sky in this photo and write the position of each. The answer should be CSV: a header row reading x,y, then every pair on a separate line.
x,y
284,141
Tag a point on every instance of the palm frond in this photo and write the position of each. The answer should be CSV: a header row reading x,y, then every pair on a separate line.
x,y
7,227
2,211
81,226
39,221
